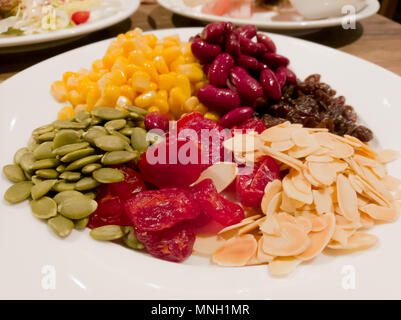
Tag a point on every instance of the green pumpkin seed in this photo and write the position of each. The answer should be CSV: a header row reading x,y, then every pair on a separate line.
x,y
43,129
81,224
89,168
94,133
61,225
154,138
82,116
95,121
45,164
65,195
42,188
64,137
108,175
127,131
108,113
69,124
48,136
26,161
70,176
120,135
138,139
78,164
64,186
44,151
136,116
110,143
32,143
130,240
35,179
115,124
105,233
90,194
87,183
60,168
61,151
140,124
44,208
18,191
137,110
77,207
14,173
47,173
78,154
20,152
117,157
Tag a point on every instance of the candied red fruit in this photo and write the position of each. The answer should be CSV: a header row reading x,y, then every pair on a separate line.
x,y
250,187
173,244
155,210
215,205
132,183
255,124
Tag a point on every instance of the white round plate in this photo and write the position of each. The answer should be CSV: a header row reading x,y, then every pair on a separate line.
x,y
32,256
128,7
264,19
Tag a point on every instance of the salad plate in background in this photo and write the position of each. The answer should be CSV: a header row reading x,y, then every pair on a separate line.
x,y
36,22
316,13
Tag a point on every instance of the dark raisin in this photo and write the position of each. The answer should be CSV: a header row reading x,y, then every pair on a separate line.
x,y
362,133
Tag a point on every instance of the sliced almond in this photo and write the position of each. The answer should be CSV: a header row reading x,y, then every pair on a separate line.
x,y
244,222
341,235
294,193
319,240
284,217
357,241
274,204
282,266
322,172
304,223
292,241
318,223
248,228
387,155
355,183
300,182
323,201
287,204
346,224
337,148
221,173
206,245
391,183
376,185
381,213
236,252
365,161
314,158
347,199
260,257
282,145
379,171
242,143
302,152
270,226
366,221
271,189
397,195
302,138
282,157
310,178
277,133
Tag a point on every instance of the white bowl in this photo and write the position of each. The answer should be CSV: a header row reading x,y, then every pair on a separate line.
x,y
320,9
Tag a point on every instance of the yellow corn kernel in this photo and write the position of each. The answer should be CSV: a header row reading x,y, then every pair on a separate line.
x,y
190,59
131,34
117,77
104,81
173,38
97,65
148,52
182,82
151,40
136,57
200,108
72,83
153,109
176,100
199,85
66,113
158,50
190,104
128,46
176,63
162,94
161,65
162,104
111,94
140,81
92,97
171,53
145,100
110,57
166,81
75,98
122,102
192,70
68,75
121,37
84,85
59,91
131,69
82,107
120,64
153,86
127,92
94,76
212,116
150,68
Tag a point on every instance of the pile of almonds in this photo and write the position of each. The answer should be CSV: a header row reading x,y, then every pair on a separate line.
x,y
335,188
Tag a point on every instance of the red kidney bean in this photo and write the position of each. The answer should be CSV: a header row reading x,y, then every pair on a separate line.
x,y
213,32
229,27
274,60
232,44
205,68
156,120
266,41
281,78
247,31
289,74
220,69
247,86
251,48
217,98
236,117
204,51
247,62
270,84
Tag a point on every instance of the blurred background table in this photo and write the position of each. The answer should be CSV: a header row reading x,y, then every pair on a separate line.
x,y
376,39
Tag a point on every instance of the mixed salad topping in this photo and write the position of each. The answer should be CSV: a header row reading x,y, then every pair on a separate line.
x,y
212,147
26,17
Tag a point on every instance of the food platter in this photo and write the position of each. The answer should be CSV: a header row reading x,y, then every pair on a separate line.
x,y
265,19
88,269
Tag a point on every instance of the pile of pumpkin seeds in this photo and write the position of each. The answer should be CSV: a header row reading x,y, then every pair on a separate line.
x,y
66,161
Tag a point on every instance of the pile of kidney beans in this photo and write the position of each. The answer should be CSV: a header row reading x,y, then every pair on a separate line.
x,y
250,74
160,202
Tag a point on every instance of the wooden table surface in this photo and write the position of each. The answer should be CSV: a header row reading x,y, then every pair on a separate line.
x,y
376,39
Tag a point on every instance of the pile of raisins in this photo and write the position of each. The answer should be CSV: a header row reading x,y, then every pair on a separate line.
x,y
314,104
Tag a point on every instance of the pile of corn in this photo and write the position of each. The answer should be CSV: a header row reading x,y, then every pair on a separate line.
x,y
137,69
